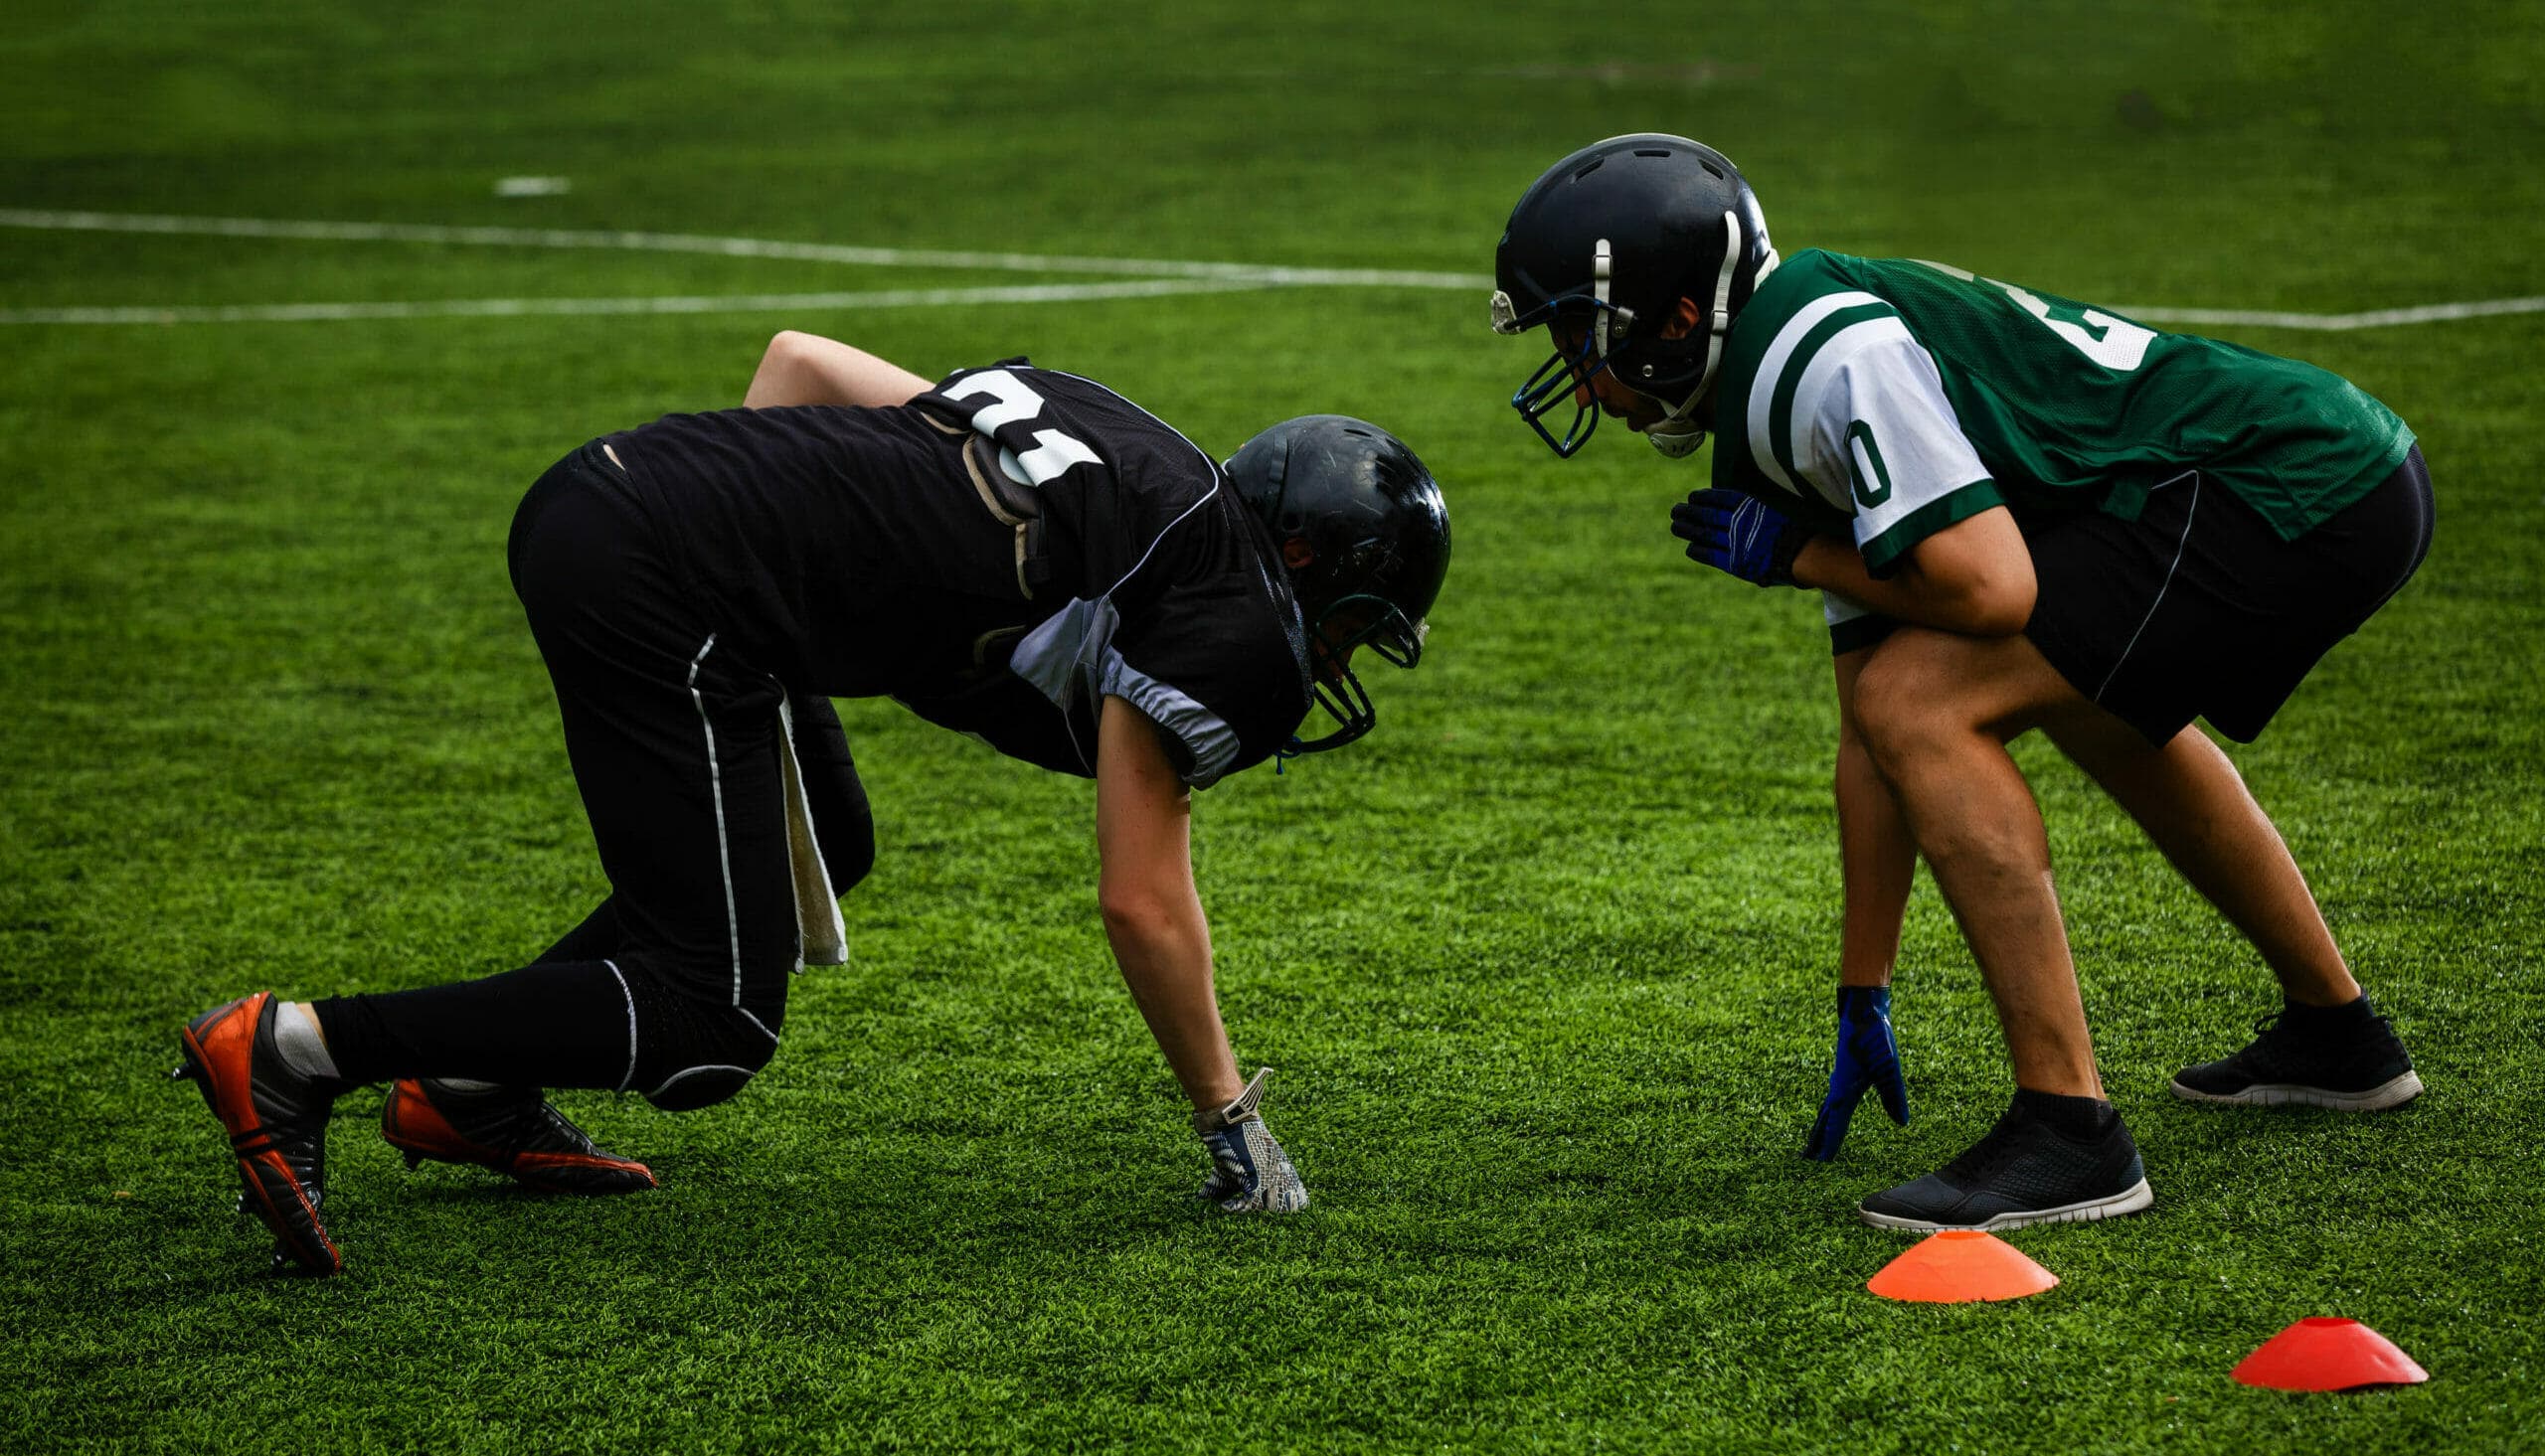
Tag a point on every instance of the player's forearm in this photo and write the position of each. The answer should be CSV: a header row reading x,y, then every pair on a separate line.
x,y
806,368
1164,949
1152,913
1973,578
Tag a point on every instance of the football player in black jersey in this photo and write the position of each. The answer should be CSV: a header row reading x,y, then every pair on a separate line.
x,y
1016,553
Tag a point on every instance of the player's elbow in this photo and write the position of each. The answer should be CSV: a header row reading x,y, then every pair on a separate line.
x,y
778,380
1998,607
789,353
1976,577
1976,597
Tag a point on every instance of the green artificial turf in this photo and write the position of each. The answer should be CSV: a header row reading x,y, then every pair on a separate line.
x,y
1543,963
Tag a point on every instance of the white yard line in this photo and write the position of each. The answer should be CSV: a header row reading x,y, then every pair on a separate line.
x,y
709,303
831,252
1174,276
2373,320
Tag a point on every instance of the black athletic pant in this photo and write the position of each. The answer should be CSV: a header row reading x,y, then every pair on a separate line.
x,y
676,986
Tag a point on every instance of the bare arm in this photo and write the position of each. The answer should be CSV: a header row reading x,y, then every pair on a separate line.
x,y
807,368
1877,857
1152,913
1973,578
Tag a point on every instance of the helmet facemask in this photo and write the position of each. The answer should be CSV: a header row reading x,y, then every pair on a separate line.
x,y
1567,374
1350,623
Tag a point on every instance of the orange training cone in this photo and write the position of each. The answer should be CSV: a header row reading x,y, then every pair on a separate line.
x,y
2329,1354
1959,1265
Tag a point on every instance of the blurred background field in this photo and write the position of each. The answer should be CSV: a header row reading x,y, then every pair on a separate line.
x,y
1543,963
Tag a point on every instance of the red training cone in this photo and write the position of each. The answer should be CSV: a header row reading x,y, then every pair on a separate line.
x,y
1959,1265
2329,1354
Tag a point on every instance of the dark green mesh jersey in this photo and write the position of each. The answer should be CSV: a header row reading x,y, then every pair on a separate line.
x,y
1908,395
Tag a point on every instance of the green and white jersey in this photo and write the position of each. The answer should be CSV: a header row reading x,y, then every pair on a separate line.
x,y
1896,398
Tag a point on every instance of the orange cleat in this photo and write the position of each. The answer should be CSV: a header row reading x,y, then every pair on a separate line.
x,y
277,1123
511,1130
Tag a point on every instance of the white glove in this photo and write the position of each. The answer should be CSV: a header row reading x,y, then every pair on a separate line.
x,y
1249,1174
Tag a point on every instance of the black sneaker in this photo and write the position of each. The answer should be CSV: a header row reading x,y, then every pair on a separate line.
x,y
2023,1171
2302,1060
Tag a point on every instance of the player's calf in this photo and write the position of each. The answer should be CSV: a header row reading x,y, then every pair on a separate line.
x,y
509,1130
2345,1058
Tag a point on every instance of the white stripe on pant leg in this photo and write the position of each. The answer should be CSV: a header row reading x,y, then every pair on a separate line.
x,y
2190,513
690,1071
716,789
632,1023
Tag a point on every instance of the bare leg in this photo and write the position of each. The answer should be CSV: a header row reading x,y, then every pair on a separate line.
x,y
1877,859
1937,709
2193,804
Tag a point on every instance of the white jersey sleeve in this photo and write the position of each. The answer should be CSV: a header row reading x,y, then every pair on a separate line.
x,y
1874,434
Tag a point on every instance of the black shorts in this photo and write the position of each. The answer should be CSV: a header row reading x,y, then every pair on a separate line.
x,y
2199,609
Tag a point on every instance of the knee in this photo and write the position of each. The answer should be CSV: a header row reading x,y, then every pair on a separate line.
x,y
691,1053
1897,716
693,1088
708,1057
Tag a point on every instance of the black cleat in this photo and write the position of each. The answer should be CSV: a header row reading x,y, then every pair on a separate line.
x,y
2023,1171
2309,1061
277,1124
511,1130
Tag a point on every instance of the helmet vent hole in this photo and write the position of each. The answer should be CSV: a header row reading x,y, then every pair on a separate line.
x,y
1657,152
1595,164
1711,168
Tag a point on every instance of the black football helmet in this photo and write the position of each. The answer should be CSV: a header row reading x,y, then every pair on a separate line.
x,y
1608,243
1365,538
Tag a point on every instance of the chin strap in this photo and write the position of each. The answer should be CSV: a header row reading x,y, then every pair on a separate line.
x,y
1675,436
1600,270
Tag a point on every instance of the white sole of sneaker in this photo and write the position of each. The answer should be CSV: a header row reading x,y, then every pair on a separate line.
x,y
2128,1201
2394,1093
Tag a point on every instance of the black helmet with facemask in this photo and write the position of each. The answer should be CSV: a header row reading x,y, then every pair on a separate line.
x,y
1364,538
1602,248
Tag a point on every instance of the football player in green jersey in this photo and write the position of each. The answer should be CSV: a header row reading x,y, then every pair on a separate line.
x,y
2022,513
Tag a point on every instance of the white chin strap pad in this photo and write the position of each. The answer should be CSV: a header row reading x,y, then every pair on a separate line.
x,y
1675,444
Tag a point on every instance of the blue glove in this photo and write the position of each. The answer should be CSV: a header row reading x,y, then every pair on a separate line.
x,y
1867,1058
1740,534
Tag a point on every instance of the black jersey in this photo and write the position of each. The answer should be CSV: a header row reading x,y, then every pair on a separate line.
x,y
999,555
